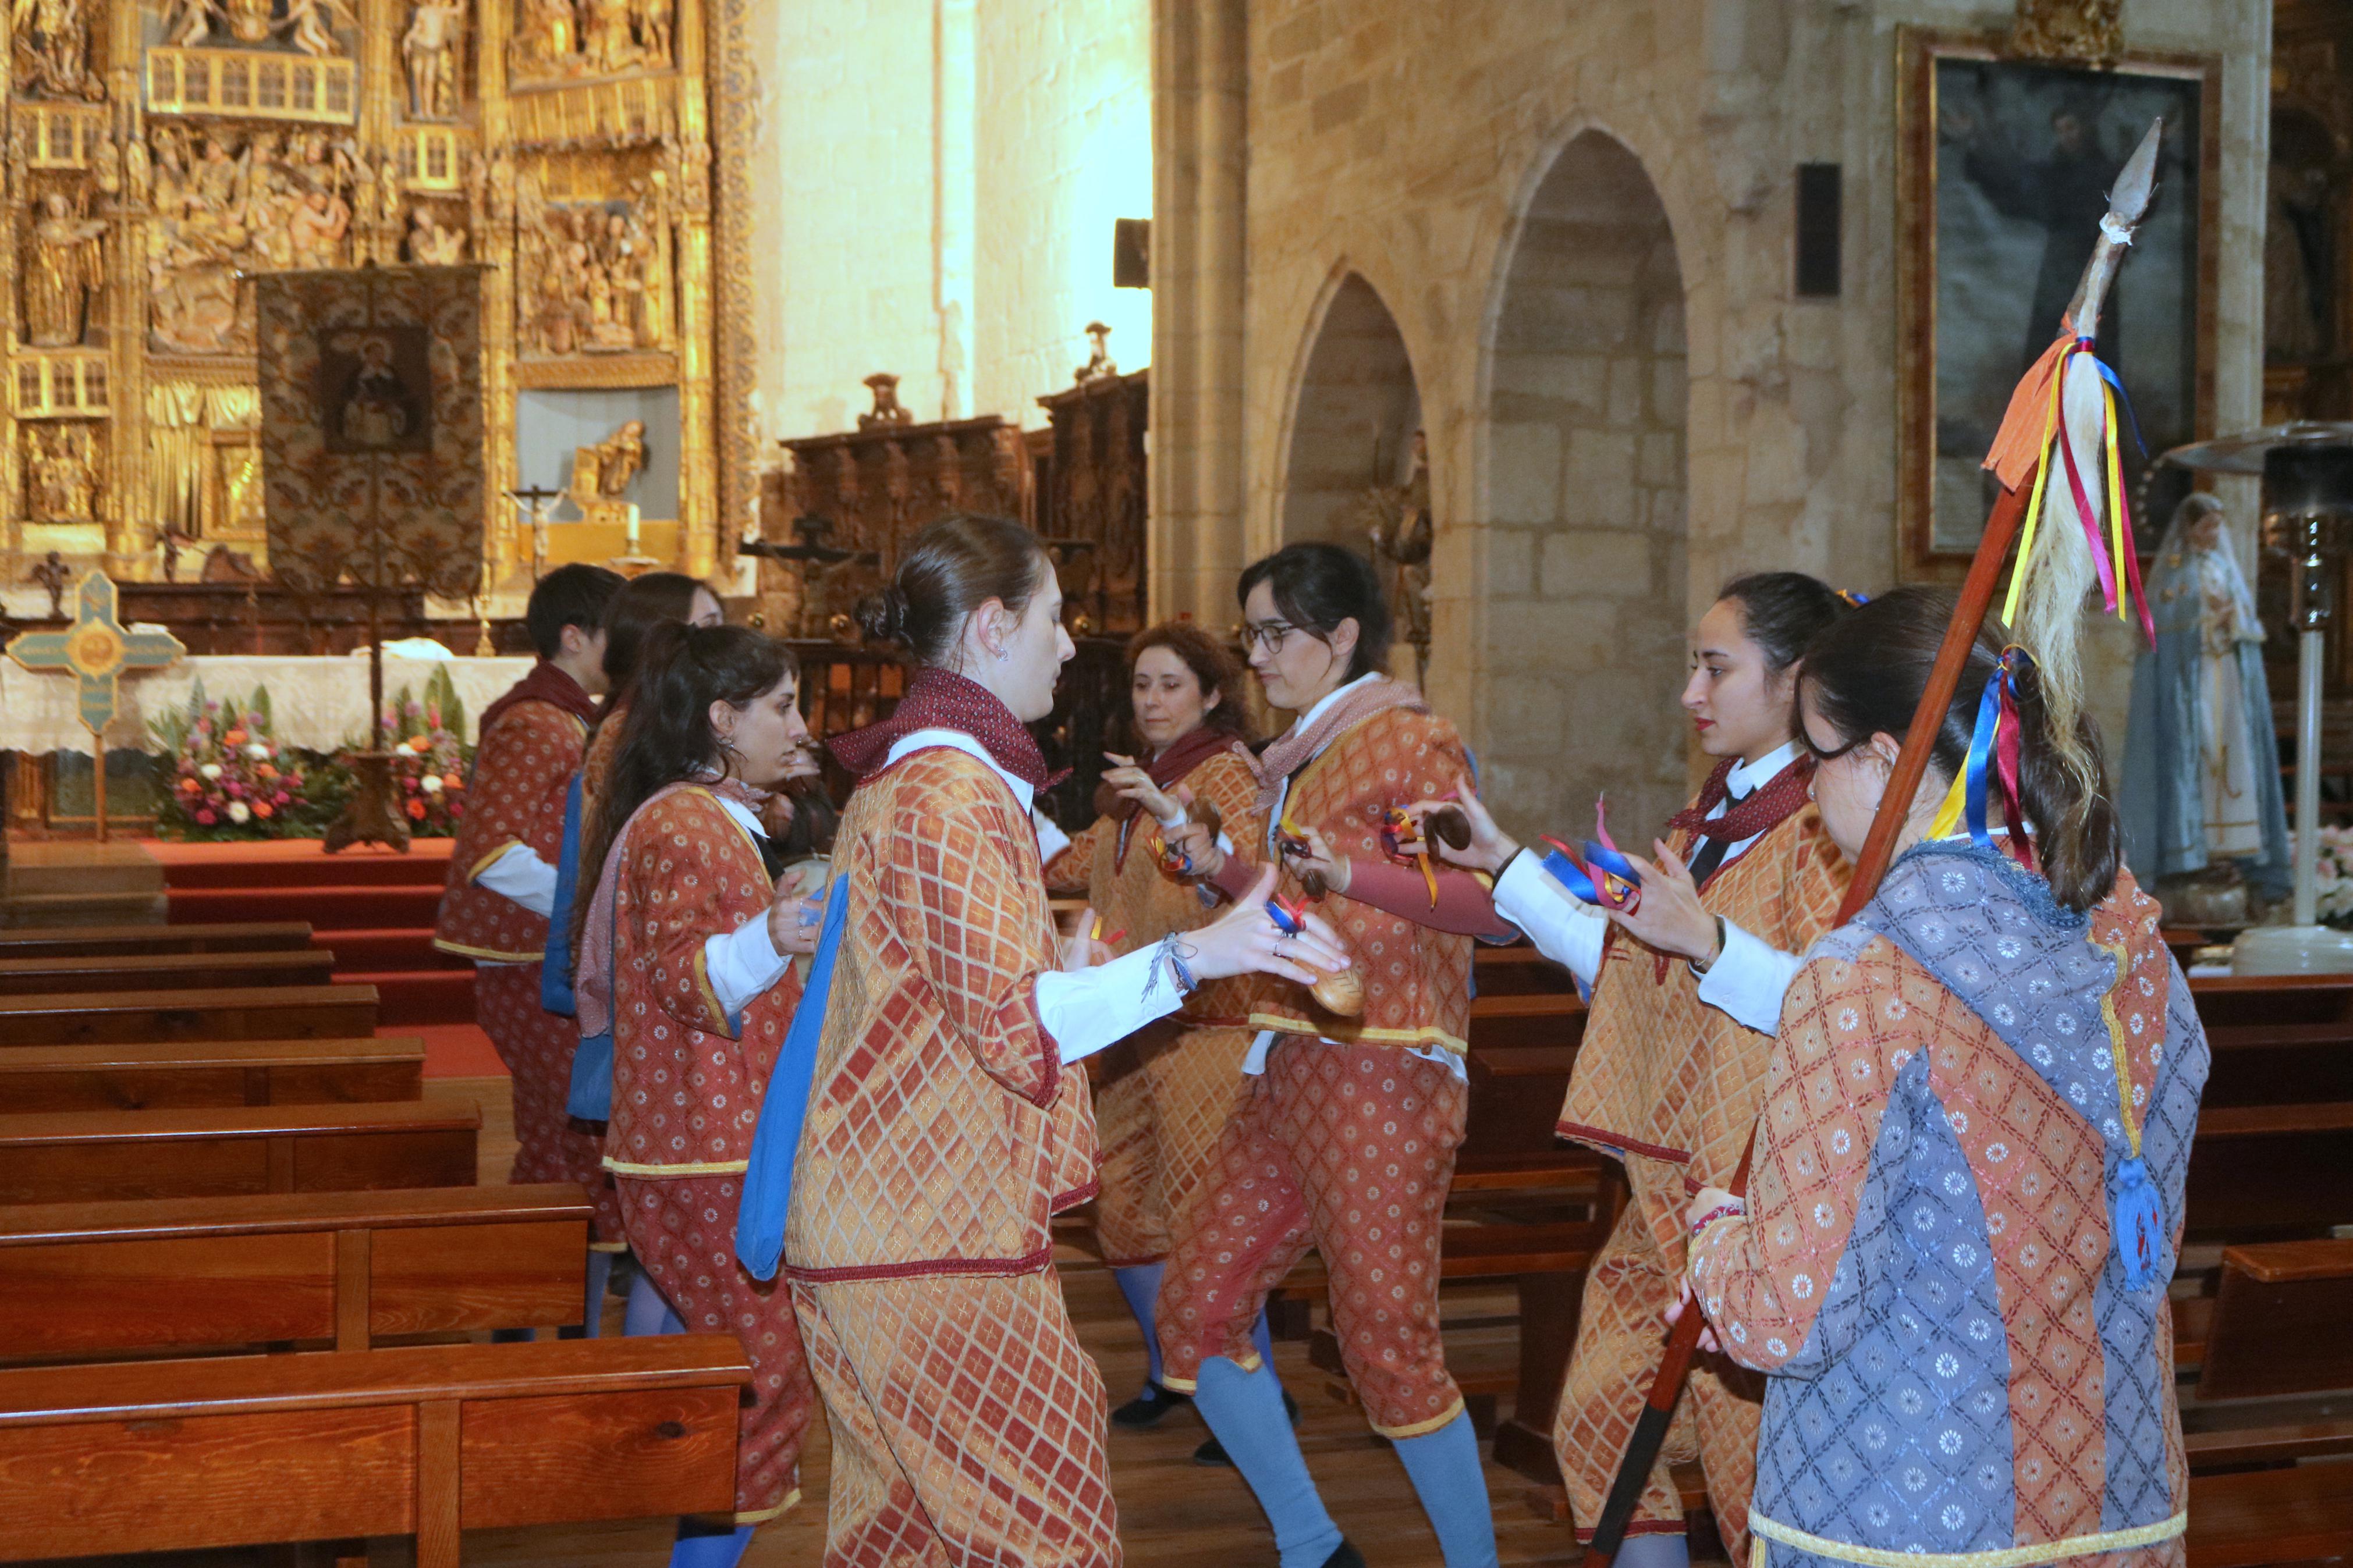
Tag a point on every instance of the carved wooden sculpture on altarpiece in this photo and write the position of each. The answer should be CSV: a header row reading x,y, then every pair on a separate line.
x,y
96,650
372,437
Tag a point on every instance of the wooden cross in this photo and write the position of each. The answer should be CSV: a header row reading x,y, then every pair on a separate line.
x,y
96,649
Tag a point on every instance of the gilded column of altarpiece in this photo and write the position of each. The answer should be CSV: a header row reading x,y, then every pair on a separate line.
x,y
161,154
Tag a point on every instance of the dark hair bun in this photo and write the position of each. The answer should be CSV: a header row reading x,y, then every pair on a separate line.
x,y
883,615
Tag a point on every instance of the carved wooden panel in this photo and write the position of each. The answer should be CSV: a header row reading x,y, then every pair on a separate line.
x,y
1094,503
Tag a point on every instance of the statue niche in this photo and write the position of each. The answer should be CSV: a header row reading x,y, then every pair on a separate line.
x,y
565,40
273,201
319,28
594,277
49,48
431,50
64,269
62,467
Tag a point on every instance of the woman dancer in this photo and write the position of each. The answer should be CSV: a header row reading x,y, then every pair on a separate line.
x,y
943,1128
1159,1118
1370,1199
685,958
1668,1075
1966,1199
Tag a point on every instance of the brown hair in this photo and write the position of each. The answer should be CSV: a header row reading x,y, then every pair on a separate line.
x,y
1213,664
1867,672
953,567
644,603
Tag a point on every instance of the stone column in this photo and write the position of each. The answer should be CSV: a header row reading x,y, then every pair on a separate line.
x,y
1200,93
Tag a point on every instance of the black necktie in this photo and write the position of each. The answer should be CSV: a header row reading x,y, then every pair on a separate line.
x,y
1710,850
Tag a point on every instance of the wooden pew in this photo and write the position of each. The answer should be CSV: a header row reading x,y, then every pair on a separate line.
x,y
2277,1040
1527,1018
94,1281
1518,970
93,1156
2270,1397
426,1441
89,942
2259,1171
163,971
258,1013
214,1072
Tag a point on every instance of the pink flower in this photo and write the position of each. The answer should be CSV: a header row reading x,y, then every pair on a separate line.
x,y
235,790
281,798
206,818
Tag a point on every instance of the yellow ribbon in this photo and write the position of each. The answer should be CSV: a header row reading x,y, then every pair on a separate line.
x,y
2034,502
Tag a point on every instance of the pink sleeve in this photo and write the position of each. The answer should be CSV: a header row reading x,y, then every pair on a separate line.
x,y
1464,906
1235,878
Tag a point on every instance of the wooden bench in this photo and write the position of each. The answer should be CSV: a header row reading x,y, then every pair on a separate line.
x,y
93,1156
2228,1000
427,1441
243,936
2264,1170
93,1282
2270,1401
258,1012
1528,1018
210,1072
163,971
1518,970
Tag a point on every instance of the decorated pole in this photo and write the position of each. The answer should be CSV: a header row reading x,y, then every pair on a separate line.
x,y
2020,461
96,650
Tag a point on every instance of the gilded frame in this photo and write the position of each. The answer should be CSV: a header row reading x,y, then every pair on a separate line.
x,y
1919,51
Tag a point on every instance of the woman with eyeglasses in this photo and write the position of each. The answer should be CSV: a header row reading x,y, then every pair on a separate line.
x,y
1161,1098
1345,1135
1686,990
1953,1263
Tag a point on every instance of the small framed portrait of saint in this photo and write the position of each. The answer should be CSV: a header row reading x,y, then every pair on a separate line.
x,y
375,387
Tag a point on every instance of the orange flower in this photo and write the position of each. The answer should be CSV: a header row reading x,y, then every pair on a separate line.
x,y
265,772
417,810
233,738
263,810
190,786
420,745
451,781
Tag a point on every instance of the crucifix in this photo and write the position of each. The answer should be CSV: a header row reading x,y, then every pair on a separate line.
x,y
96,649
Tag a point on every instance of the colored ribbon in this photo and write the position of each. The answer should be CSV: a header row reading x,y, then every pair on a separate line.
x,y
1991,761
1395,829
2115,558
1618,886
783,1108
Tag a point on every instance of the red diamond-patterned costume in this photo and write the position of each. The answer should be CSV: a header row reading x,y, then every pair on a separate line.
x,y
687,1082
1671,1083
523,771
1162,1097
1347,1142
944,1134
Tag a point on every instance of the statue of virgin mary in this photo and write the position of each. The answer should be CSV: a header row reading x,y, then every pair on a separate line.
x,y
2200,788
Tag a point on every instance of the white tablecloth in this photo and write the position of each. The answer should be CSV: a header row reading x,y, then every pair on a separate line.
x,y
315,702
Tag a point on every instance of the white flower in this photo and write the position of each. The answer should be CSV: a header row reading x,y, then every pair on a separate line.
x,y
239,812
258,749
210,771
430,784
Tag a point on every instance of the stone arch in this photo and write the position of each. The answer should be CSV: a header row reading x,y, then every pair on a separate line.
x,y
1585,410
1352,419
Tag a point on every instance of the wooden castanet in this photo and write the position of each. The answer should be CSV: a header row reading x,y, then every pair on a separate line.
x,y
2258,1171
252,1013
90,942
163,971
93,1282
210,1072
93,1156
426,1441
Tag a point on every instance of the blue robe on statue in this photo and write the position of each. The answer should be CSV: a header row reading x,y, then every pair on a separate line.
x,y
2161,795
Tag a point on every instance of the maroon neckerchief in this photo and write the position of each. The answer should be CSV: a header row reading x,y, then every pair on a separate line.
x,y
545,683
1769,805
942,700
1189,750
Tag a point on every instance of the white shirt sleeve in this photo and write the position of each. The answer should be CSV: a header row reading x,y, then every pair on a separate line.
x,y
1563,929
742,963
1051,840
519,874
1749,979
1088,1009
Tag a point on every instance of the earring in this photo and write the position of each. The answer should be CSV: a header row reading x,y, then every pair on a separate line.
x,y
1003,653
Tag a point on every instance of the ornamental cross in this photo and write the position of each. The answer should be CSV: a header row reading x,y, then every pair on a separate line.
x,y
96,649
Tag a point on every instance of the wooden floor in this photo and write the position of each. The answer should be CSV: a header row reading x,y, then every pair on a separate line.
x,y
1172,1513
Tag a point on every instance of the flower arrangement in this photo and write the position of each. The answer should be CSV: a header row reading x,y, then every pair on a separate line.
x,y
228,777
2333,868
430,761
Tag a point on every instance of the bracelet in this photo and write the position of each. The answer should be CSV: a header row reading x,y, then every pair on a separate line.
x,y
1721,937
1736,1209
1170,952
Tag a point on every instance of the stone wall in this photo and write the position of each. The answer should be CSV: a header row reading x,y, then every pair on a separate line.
x,y
1413,146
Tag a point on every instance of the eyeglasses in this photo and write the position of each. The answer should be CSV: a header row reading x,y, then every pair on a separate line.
x,y
1269,635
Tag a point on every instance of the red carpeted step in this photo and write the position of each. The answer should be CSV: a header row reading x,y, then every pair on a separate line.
x,y
328,908
347,870
416,995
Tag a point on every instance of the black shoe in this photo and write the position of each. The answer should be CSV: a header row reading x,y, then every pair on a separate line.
x,y
1146,1409
1212,1454
1345,1555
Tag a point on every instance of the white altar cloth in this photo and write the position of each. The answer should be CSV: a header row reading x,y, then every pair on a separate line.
x,y
317,703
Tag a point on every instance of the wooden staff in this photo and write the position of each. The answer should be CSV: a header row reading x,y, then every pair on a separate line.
x,y
2127,203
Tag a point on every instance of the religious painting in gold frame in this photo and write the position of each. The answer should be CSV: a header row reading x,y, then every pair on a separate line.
x,y
2001,167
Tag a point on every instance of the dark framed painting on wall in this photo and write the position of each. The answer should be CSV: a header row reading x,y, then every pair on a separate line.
x,y
2002,171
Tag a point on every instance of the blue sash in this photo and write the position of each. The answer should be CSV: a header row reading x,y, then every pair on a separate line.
x,y
777,1142
555,966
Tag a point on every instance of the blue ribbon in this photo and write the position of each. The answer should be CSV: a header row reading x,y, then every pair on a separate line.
x,y
777,1140
1980,758
2121,395
555,961
1580,883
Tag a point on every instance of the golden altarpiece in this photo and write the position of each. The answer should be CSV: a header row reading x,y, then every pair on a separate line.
x,y
162,153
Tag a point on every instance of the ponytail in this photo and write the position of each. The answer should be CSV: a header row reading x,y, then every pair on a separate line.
x,y
1867,672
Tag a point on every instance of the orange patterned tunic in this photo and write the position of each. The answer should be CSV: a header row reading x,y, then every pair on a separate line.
x,y
687,1079
521,774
